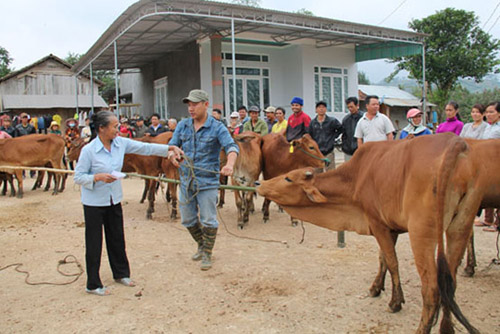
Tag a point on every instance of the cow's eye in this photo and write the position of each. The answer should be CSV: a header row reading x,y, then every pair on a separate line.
x,y
311,147
287,179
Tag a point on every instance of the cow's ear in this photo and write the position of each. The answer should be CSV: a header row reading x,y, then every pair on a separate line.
x,y
314,194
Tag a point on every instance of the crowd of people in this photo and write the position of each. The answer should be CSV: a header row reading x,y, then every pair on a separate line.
x,y
101,193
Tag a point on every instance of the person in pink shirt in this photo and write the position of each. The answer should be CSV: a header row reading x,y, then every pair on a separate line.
x,y
453,123
4,135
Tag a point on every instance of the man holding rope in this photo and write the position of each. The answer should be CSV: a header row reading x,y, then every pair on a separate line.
x,y
201,137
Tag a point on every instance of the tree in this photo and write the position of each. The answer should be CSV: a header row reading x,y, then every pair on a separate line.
x,y
251,3
73,58
5,61
363,79
456,47
304,11
107,91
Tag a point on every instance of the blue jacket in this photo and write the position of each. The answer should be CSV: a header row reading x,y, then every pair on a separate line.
x,y
202,147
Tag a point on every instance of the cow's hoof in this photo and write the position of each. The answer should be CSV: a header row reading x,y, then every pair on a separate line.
x,y
240,227
220,206
141,201
265,220
469,271
375,291
295,223
394,308
149,216
45,189
19,196
55,193
173,215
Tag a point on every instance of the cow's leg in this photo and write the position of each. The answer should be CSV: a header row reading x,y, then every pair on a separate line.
x,y
151,200
459,236
39,180
19,177
265,209
172,189
294,221
238,199
248,205
145,191
379,283
251,205
386,242
63,182
50,176
423,243
471,258
57,181
10,179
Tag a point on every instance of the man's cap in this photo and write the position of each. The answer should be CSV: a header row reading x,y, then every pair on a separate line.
x,y
140,118
196,95
297,100
270,109
53,123
235,114
254,109
321,103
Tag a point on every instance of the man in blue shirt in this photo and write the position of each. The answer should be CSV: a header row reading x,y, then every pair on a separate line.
x,y
201,138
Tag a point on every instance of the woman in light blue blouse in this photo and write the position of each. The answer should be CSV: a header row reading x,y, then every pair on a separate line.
x,y
98,172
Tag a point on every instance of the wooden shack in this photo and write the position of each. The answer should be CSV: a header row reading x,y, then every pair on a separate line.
x,y
48,87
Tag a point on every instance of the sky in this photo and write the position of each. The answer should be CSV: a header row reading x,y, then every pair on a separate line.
x,y
32,29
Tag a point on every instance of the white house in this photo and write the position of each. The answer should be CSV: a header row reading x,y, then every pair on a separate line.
x,y
163,49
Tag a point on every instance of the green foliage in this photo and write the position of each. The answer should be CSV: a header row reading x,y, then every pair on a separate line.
x,y
456,47
305,11
466,100
73,58
251,3
363,79
5,61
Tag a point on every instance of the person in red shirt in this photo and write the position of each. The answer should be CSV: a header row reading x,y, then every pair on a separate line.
x,y
298,122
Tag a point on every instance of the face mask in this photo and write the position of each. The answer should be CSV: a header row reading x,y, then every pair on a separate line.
x,y
72,125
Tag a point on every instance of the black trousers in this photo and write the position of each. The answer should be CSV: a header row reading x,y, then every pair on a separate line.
x,y
111,217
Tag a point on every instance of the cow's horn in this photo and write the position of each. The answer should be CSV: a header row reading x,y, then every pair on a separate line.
x,y
309,173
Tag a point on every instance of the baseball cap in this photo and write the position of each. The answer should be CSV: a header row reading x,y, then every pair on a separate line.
x,y
196,95
235,114
254,109
270,109
321,103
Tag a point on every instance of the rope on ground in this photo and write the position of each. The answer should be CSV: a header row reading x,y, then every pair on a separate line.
x,y
284,242
62,262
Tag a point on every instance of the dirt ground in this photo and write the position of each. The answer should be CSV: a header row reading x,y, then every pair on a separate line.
x,y
253,287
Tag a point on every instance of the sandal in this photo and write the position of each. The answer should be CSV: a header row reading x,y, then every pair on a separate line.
x,y
125,281
492,228
99,291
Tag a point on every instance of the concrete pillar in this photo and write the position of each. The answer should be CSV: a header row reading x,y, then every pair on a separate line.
x,y
215,52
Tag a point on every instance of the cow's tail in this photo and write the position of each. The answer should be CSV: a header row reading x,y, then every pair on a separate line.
x,y
446,284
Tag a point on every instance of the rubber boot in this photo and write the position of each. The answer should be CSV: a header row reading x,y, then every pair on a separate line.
x,y
197,235
209,235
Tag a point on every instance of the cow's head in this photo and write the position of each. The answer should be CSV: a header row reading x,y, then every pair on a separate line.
x,y
309,151
75,148
295,188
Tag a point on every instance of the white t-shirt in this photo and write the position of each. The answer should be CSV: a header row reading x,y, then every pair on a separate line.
x,y
376,129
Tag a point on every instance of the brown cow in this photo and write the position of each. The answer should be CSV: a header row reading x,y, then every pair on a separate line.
x,y
418,198
153,166
280,157
246,171
32,151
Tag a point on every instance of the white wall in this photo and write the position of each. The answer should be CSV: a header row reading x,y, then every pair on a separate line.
x,y
291,70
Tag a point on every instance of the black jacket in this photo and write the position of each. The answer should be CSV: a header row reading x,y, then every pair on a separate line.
x,y
10,130
23,131
159,130
349,143
325,133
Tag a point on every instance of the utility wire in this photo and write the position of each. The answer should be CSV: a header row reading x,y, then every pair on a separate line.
x,y
401,4
494,23
492,13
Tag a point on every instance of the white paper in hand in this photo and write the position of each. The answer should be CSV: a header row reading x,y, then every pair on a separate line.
x,y
118,175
